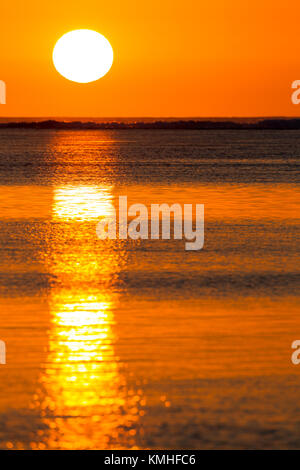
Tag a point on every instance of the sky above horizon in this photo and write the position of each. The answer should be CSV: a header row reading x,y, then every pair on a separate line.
x,y
171,58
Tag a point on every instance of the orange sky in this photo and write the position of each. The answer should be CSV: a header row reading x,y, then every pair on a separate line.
x,y
172,57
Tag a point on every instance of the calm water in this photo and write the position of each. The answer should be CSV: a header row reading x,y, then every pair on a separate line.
x,y
140,344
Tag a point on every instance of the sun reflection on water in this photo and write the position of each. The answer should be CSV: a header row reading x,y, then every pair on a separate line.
x,y
82,202
84,399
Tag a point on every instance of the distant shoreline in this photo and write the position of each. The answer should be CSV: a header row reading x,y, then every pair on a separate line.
x,y
263,124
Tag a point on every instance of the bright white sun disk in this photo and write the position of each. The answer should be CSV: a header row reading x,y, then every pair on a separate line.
x,y
83,55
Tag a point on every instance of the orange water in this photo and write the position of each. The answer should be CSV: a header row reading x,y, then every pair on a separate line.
x,y
141,344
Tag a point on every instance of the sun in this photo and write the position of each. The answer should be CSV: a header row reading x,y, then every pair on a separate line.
x,y
83,56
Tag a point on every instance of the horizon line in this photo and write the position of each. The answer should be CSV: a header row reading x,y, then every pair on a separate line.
x,y
277,116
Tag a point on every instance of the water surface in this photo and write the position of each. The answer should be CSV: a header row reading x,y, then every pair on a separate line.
x,y
141,344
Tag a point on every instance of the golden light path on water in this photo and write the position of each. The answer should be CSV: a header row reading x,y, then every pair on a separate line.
x,y
82,202
84,399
